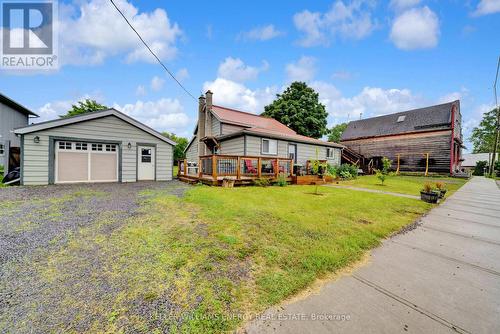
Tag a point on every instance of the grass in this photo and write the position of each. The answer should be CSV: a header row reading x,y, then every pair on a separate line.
x,y
175,170
219,254
410,185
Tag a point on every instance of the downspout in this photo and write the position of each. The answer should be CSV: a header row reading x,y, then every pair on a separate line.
x,y
452,148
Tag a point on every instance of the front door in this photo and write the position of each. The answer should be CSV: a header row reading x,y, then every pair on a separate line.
x,y
146,163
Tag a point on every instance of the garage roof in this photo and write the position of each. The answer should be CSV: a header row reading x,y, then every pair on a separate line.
x,y
90,116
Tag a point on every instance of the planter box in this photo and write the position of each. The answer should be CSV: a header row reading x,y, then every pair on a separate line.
x,y
308,179
431,197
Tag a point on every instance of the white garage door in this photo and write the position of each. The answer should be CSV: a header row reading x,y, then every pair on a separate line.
x,y
85,162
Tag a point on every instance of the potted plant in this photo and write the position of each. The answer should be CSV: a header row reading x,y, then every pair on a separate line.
x,y
428,195
441,187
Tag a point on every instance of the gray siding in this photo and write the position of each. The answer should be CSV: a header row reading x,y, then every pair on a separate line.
x,y
215,126
234,146
9,120
304,151
36,156
192,151
229,128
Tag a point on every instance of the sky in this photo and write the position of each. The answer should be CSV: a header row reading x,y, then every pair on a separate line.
x,y
364,58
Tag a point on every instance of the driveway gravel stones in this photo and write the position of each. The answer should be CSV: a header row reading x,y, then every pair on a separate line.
x,y
37,222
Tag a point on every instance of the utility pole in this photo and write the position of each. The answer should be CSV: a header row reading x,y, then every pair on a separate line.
x,y
497,124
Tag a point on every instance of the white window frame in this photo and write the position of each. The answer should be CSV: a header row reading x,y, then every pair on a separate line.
x,y
270,152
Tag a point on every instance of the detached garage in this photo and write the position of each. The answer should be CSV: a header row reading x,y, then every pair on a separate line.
x,y
103,146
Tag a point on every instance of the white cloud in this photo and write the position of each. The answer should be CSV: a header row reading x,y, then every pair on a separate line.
x,y
485,7
453,96
94,31
52,110
157,83
371,101
162,115
236,95
403,4
263,33
182,74
416,28
302,70
351,21
236,70
140,90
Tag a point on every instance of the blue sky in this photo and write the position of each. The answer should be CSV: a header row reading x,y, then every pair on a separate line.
x,y
363,57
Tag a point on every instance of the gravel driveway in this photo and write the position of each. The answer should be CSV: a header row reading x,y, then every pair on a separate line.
x,y
38,221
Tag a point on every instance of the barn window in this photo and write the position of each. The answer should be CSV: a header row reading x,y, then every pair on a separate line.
x,y
330,153
401,118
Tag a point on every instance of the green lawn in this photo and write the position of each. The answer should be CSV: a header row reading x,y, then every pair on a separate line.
x,y
403,184
218,254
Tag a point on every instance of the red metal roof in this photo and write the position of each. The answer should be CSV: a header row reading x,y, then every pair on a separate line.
x,y
249,120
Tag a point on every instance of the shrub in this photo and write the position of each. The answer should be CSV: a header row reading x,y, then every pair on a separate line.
x,y
480,167
262,182
332,170
383,173
348,171
440,186
427,187
281,181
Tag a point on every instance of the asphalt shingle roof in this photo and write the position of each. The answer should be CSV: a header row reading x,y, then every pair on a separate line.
x,y
416,120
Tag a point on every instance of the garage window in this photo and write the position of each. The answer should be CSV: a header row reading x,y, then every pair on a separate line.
x,y
81,146
2,150
65,145
96,147
110,148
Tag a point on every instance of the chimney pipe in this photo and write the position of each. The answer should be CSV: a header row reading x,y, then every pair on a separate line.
x,y
201,125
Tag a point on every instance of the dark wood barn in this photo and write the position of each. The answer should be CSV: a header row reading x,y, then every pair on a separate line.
x,y
421,139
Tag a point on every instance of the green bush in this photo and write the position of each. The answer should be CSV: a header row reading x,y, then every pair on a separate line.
x,y
281,181
348,171
383,173
262,182
479,169
332,170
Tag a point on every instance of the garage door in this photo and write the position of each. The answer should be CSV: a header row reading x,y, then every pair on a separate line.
x,y
85,162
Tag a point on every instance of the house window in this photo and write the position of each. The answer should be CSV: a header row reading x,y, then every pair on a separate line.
x,y
81,146
96,147
146,155
65,145
2,150
269,146
110,148
330,153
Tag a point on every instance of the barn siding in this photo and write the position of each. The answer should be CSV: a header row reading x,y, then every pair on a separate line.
x,y
411,147
234,146
192,151
36,155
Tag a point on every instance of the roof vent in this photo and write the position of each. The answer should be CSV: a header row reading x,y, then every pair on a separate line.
x,y
401,118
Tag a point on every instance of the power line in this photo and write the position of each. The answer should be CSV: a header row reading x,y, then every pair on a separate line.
x,y
154,55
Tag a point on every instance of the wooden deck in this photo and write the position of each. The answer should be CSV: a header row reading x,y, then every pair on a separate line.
x,y
213,169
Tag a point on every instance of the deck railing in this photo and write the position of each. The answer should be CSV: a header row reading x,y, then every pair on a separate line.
x,y
216,167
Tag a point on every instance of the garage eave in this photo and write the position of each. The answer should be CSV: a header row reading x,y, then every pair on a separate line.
x,y
90,116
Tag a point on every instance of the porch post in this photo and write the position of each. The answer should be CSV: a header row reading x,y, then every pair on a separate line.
x,y
238,171
214,167
259,167
276,172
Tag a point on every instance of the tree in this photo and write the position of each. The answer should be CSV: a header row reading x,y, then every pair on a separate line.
x,y
299,108
383,173
335,133
83,107
180,147
483,135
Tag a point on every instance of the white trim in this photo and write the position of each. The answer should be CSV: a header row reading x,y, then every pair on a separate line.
x,y
91,116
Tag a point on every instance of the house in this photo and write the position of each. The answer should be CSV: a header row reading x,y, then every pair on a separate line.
x,y
242,145
12,115
101,146
420,140
470,161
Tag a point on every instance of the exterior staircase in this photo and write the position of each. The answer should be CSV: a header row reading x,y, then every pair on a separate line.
x,y
351,157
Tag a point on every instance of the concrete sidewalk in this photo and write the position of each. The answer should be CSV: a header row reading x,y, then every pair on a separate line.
x,y
442,277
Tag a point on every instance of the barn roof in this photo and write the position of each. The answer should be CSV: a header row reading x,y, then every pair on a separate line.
x,y
417,120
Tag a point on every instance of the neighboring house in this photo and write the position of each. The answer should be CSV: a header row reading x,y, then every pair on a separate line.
x,y
415,138
101,146
470,161
12,115
227,132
